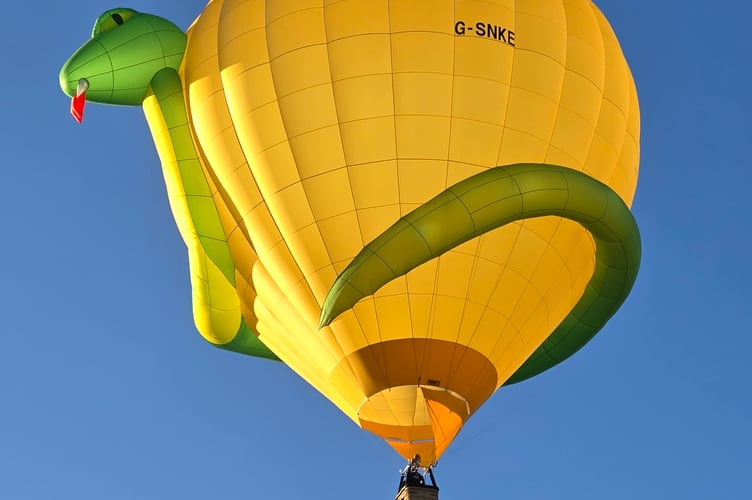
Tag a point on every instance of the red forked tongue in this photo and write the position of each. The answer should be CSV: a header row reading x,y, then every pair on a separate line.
x,y
79,100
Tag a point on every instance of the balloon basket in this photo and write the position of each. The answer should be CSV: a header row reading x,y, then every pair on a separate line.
x,y
417,493
413,484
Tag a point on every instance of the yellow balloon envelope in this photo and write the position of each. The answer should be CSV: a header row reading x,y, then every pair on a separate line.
x,y
421,200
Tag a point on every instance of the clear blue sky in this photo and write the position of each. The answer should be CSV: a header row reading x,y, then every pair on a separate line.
x,y
107,392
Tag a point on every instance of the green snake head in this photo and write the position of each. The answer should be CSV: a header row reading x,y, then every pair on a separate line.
x,y
127,48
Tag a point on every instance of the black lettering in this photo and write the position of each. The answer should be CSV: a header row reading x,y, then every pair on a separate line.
x,y
487,30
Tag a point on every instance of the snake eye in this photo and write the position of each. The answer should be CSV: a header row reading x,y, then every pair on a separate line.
x,y
111,20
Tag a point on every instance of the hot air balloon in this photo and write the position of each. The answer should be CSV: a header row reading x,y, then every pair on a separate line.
x,y
411,203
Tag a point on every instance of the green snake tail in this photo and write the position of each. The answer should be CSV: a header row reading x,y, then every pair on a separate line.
x,y
490,200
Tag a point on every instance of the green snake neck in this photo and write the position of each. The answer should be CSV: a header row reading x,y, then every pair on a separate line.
x,y
166,87
168,90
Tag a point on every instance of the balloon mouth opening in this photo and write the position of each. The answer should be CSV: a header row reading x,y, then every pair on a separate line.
x,y
78,101
426,421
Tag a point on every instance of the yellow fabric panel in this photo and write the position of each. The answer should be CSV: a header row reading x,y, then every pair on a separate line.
x,y
318,190
398,286
538,73
507,293
202,47
544,32
316,257
569,139
634,120
308,109
309,65
380,147
237,237
266,237
456,270
412,132
471,56
238,73
480,290
491,110
532,114
294,25
421,15
348,386
365,313
239,17
457,171
273,181
501,11
583,98
517,145
585,54
604,150
420,54
421,319
446,317
351,86
290,209
524,263
420,180
391,311
374,186
422,94
349,330
276,10
624,177
470,322
510,352
342,235
277,262
329,159
356,17
420,281
473,141
491,320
